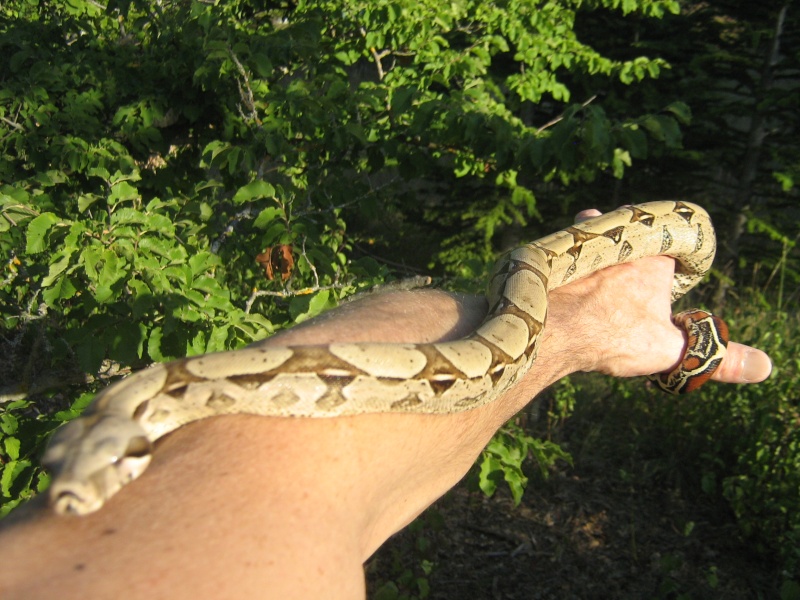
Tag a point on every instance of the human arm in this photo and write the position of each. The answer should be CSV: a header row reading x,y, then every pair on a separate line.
x,y
258,507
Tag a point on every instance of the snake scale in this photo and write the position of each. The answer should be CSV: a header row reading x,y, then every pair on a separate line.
x,y
93,456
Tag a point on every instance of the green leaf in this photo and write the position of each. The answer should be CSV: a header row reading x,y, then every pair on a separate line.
x,y
113,269
785,179
217,341
62,289
634,140
252,191
664,129
124,339
121,192
11,445
268,216
50,178
682,111
490,467
56,269
622,159
319,302
180,275
388,591
128,216
263,325
304,307
91,351
262,64
86,200
161,247
8,423
218,301
159,223
202,261
154,345
76,408
401,99
11,471
37,232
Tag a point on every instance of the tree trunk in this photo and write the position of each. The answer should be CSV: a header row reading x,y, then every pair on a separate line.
x,y
744,198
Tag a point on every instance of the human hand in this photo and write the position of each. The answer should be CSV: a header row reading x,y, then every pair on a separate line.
x,y
620,319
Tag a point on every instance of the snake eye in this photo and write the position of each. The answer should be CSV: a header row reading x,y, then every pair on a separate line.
x,y
138,447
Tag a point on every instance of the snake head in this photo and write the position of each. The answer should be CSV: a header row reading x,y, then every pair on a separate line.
x,y
91,458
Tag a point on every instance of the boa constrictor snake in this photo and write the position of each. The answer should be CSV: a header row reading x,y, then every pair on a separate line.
x,y
93,456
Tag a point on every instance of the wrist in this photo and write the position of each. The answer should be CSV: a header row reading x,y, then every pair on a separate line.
x,y
565,341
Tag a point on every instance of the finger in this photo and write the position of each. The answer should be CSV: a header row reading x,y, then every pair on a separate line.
x,y
587,214
743,364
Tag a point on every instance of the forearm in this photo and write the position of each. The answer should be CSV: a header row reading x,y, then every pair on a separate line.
x,y
398,464
232,506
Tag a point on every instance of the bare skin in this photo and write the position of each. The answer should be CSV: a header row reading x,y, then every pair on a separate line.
x,y
256,507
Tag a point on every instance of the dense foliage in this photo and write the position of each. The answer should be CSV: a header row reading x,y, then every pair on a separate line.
x,y
153,155
189,176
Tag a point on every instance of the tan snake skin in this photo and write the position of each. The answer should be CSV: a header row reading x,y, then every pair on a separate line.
x,y
92,457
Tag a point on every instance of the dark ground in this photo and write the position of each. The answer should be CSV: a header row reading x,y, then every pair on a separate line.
x,y
590,531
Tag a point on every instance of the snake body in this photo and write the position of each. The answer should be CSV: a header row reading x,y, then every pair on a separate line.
x,y
93,456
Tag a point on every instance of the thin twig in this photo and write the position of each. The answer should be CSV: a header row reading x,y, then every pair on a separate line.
x,y
289,293
560,117
16,126
377,56
310,264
